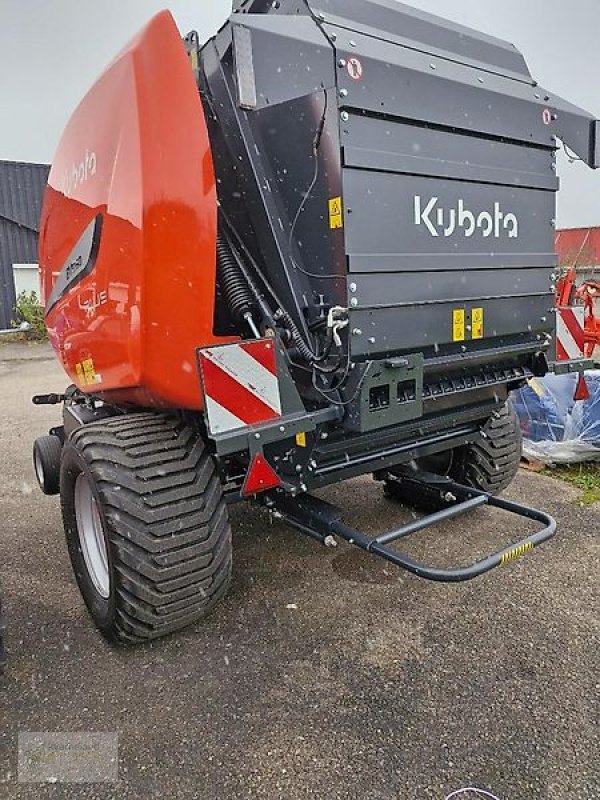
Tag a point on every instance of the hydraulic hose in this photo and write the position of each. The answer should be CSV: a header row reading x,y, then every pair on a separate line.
x,y
296,337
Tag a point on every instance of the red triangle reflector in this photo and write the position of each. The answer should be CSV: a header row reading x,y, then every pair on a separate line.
x,y
260,478
582,391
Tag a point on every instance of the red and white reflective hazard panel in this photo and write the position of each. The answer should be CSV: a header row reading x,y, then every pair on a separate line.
x,y
240,385
570,333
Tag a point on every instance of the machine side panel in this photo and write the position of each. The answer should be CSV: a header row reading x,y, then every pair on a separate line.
x,y
135,157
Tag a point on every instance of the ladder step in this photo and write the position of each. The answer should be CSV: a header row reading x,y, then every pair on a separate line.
x,y
432,519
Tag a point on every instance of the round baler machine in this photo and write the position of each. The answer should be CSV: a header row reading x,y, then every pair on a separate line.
x,y
316,247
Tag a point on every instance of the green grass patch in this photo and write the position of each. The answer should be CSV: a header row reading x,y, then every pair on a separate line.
x,y
29,310
11,338
584,476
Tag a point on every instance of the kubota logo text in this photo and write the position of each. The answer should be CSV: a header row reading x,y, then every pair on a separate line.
x,y
79,173
440,221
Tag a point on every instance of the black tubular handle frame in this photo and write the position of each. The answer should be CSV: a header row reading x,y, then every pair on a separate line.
x,y
319,519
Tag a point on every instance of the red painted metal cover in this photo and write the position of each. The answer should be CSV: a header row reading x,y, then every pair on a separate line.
x,y
128,230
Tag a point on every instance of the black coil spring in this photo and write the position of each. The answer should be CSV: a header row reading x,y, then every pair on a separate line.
x,y
235,290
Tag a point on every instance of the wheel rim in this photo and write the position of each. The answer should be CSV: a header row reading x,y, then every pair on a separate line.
x,y
39,468
91,536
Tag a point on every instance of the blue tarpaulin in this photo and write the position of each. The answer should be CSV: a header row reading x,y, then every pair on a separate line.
x,y
556,429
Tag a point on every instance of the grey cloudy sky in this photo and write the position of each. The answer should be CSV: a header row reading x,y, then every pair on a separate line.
x,y
52,50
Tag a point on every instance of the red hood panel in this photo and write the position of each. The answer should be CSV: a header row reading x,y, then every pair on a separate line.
x,y
128,229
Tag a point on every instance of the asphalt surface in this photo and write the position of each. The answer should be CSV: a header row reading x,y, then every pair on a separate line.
x,y
324,674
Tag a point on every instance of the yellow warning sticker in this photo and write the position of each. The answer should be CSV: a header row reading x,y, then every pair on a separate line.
x,y
301,439
86,373
477,323
336,218
458,325
89,371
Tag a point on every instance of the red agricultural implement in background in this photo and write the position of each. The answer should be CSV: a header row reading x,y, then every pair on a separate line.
x,y
577,320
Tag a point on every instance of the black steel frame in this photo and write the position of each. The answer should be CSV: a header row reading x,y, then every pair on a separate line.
x,y
321,520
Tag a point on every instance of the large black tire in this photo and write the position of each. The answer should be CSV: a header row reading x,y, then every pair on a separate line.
x,y
163,520
489,465
492,463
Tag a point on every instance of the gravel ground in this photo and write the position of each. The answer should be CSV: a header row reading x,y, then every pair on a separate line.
x,y
325,674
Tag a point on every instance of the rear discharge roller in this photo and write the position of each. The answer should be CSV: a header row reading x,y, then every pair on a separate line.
x,y
146,525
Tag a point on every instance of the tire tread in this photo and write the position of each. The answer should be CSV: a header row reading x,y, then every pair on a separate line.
x,y
489,464
168,530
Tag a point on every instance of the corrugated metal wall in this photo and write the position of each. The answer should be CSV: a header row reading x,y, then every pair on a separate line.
x,y
17,245
21,193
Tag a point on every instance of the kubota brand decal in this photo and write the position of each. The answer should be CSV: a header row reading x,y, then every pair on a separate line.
x,y
79,173
439,221
240,384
